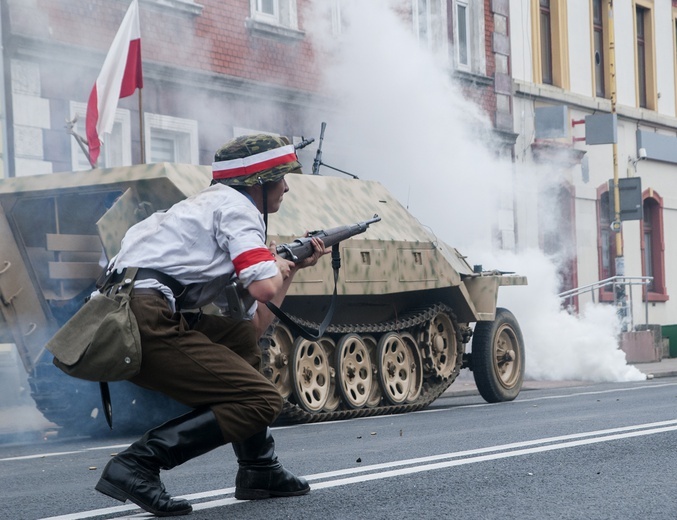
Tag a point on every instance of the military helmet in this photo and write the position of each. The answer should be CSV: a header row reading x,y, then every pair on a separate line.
x,y
254,159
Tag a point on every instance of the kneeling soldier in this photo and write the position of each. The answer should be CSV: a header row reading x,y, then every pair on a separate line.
x,y
186,256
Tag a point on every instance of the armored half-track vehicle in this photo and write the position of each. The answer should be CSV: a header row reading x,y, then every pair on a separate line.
x,y
410,311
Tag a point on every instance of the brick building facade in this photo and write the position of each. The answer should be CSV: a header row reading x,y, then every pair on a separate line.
x,y
212,69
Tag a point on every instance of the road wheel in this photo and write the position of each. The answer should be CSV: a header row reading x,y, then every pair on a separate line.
x,y
416,368
276,354
498,357
311,375
394,367
353,370
441,347
333,399
376,394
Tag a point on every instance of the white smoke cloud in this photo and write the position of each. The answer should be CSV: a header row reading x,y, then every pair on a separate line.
x,y
401,120
562,346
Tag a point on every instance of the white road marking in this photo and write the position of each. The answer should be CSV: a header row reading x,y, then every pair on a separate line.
x,y
59,453
436,410
417,465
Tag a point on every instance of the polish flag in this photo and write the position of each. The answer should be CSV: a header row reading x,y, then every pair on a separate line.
x,y
120,76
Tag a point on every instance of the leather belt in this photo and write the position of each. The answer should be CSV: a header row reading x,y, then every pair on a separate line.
x,y
144,273
147,274
150,292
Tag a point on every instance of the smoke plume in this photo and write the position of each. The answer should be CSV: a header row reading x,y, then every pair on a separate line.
x,y
402,121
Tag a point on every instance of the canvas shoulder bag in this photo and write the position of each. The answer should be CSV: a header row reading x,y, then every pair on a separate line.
x,y
101,341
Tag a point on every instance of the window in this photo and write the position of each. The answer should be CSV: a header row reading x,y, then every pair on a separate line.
x,y
641,58
557,228
600,46
644,58
171,139
336,18
551,58
275,12
465,30
268,10
649,239
428,17
653,246
462,36
117,146
606,242
546,41
422,20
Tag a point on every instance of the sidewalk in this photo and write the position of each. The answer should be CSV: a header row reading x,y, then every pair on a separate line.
x,y
465,383
667,367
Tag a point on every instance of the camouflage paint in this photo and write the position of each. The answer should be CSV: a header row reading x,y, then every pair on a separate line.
x,y
395,255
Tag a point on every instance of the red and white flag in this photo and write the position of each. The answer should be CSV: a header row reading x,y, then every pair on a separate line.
x,y
120,76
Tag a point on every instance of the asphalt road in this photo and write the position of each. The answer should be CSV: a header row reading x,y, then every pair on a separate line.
x,y
603,451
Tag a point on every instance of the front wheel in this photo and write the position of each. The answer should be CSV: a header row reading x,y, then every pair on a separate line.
x,y
498,357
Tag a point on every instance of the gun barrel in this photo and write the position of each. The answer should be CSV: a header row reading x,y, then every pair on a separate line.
x,y
302,248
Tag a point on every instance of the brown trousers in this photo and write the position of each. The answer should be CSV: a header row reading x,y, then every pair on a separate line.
x,y
214,363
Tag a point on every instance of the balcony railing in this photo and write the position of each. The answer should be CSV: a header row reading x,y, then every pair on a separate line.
x,y
622,291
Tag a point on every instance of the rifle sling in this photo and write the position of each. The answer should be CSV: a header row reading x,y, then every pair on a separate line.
x,y
299,329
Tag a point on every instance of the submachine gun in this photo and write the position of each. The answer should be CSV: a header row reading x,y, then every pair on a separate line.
x,y
239,299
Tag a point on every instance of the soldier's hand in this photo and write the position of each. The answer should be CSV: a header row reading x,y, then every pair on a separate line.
x,y
318,251
285,266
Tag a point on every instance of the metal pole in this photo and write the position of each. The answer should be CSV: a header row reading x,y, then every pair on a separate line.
x,y
620,296
612,87
142,129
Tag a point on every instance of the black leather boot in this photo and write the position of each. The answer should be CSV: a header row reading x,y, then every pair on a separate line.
x,y
134,474
260,475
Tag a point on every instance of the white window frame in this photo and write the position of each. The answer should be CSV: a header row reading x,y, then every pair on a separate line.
x,y
436,25
336,18
475,43
108,158
417,21
284,14
457,36
180,127
262,16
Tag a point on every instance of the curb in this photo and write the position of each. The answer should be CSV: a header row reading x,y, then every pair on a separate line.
x,y
656,375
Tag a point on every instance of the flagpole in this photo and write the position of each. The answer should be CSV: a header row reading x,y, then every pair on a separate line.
x,y
142,128
120,76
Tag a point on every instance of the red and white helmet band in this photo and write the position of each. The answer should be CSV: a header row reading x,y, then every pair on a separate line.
x,y
254,163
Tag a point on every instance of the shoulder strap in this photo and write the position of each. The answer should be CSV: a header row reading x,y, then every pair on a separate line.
x,y
303,331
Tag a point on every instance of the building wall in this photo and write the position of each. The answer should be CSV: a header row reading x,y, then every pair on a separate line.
x,y
199,64
215,40
204,61
207,63
580,101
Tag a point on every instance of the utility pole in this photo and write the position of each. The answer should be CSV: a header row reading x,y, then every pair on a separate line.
x,y
616,225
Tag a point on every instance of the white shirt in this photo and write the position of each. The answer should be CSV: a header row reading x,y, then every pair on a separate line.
x,y
202,242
